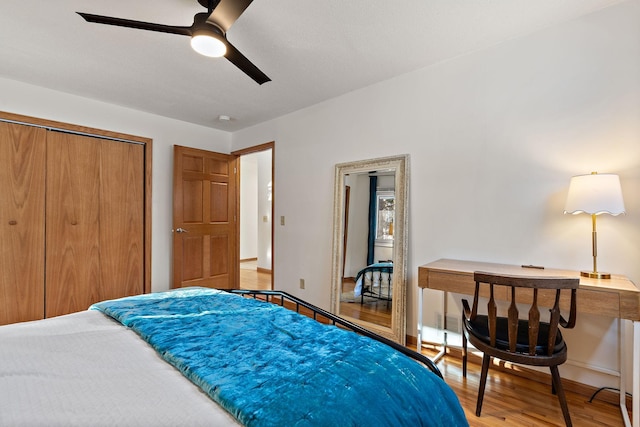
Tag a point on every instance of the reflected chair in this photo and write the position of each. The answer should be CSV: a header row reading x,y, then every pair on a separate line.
x,y
529,342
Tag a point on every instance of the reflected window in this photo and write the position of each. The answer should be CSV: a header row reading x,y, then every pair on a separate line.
x,y
385,209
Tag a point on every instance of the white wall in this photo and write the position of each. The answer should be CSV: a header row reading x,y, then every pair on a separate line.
x,y
264,208
248,206
20,98
494,137
357,245
255,207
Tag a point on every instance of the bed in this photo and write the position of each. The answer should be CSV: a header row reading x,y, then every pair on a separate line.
x,y
163,359
376,281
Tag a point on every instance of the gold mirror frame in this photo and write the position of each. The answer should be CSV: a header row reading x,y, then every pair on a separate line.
x,y
400,164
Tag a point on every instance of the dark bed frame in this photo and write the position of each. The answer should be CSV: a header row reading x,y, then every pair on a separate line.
x,y
293,303
367,290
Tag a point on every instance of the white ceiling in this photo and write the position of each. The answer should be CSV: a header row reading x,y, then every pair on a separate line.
x,y
312,50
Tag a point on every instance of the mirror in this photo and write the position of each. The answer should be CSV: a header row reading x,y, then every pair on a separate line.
x,y
369,260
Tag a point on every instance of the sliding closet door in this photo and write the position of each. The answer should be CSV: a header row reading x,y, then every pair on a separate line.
x,y
94,221
122,219
22,186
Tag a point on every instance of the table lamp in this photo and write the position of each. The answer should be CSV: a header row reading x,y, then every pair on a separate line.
x,y
595,194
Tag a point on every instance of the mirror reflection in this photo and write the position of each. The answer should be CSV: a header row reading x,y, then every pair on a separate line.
x,y
370,244
367,280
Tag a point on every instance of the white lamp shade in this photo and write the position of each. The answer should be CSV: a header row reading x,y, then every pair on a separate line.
x,y
595,194
208,45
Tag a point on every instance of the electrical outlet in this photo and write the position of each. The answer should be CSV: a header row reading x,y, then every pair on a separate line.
x,y
301,283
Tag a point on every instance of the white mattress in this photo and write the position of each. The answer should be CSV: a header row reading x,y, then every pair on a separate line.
x,y
86,369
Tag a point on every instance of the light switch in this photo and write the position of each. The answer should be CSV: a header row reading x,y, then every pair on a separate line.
x,y
282,220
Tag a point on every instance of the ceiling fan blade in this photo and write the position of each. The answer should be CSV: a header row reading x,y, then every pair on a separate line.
x,y
128,23
227,12
241,61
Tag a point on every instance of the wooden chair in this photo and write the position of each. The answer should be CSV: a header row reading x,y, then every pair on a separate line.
x,y
529,342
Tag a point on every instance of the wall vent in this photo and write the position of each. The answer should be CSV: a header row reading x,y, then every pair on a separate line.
x,y
453,323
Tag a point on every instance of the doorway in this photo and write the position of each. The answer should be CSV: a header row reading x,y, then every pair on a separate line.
x,y
256,201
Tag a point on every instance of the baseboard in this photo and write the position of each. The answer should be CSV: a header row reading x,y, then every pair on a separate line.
x,y
606,395
258,269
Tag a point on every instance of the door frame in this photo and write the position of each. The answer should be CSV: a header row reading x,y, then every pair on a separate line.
x,y
250,150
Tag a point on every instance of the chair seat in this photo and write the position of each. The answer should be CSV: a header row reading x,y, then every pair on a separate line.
x,y
480,330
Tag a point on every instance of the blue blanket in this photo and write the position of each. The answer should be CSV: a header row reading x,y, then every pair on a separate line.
x,y
269,366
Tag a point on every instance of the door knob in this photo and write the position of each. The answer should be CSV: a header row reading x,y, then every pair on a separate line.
x,y
181,230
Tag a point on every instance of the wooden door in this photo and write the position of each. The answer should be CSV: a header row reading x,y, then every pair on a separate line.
x,y
94,221
22,210
205,249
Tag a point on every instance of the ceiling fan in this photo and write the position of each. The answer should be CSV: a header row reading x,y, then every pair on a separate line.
x,y
208,32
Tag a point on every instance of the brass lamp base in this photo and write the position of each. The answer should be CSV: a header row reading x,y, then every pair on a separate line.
x,y
595,275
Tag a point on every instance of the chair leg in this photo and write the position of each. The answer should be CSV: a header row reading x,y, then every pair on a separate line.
x,y
464,355
483,381
555,375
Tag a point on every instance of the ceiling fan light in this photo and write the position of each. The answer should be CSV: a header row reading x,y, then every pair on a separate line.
x,y
208,45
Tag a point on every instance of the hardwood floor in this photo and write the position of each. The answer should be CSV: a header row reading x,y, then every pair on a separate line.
x,y
374,311
510,399
252,279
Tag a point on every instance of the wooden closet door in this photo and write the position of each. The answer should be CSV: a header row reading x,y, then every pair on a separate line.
x,y
94,221
122,219
22,187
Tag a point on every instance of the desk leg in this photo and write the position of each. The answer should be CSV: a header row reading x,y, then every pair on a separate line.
x,y
636,374
420,295
444,329
622,348
635,371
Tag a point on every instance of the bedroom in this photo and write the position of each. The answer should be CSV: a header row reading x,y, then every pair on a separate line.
x,y
509,123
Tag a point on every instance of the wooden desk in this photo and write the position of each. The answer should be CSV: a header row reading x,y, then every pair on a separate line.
x,y
617,298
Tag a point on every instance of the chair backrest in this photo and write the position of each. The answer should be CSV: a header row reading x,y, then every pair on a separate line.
x,y
528,282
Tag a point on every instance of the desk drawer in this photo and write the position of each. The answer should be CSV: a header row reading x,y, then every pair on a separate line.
x,y
617,297
459,283
594,302
600,303
589,301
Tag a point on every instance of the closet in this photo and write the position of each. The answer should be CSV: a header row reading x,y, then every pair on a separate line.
x,y
74,217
